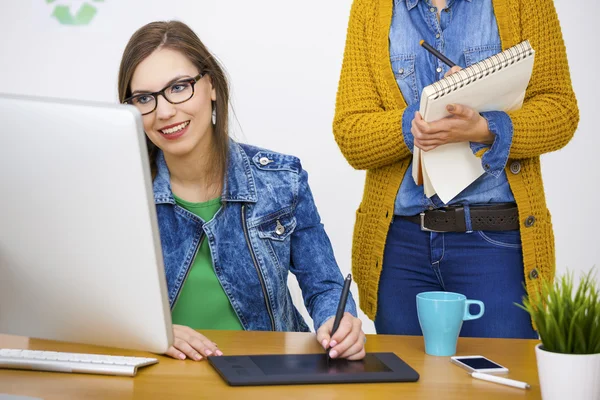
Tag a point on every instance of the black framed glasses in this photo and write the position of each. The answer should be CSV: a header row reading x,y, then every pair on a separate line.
x,y
175,93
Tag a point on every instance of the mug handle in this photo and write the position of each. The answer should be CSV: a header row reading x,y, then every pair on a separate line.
x,y
468,315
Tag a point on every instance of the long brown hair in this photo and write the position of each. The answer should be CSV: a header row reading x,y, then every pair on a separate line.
x,y
178,36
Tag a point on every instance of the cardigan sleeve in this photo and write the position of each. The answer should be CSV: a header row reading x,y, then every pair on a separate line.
x,y
549,116
368,135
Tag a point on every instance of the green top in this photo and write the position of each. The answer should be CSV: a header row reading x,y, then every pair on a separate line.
x,y
202,303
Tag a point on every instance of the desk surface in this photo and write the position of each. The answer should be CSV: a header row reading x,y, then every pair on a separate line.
x,y
187,379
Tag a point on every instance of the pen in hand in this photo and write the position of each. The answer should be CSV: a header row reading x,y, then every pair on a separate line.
x,y
341,308
436,53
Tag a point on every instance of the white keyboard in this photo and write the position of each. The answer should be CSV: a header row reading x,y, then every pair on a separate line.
x,y
72,362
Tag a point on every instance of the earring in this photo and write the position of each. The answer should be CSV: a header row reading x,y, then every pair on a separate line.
x,y
214,116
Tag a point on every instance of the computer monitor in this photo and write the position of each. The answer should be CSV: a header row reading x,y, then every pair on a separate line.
x,y
80,254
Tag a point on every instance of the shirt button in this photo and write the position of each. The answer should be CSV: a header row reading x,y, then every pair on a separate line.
x,y
401,71
437,35
529,221
515,167
439,69
432,9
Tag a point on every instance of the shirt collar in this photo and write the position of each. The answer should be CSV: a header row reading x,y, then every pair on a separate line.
x,y
240,185
410,4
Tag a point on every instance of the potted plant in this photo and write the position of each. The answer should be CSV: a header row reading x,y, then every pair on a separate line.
x,y
568,323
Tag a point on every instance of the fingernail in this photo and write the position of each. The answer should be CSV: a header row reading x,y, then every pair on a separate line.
x,y
219,353
332,343
324,343
450,107
208,353
182,356
333,354
198,357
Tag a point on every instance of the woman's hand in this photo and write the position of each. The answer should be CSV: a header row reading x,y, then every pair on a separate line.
x,y
347,342
452,70
464,124
187,343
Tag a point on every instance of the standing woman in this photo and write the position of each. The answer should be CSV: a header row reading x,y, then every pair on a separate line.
x,y
493,242
234,219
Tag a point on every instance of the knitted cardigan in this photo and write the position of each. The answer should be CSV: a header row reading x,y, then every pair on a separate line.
x,y
368,120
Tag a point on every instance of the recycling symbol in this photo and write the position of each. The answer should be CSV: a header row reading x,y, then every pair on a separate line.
x,y
83,16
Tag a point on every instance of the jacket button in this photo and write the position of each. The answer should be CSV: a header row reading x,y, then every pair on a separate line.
x,y
530,221
515,167
264,161
533,274
279,229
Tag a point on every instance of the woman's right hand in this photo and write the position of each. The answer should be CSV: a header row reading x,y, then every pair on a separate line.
x,y
452,70
187,343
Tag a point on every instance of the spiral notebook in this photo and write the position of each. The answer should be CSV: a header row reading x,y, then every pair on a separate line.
x,y
497,83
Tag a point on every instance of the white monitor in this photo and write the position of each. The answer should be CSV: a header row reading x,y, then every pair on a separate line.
x,y
80,254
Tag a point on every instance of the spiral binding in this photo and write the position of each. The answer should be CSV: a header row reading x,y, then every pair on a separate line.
x,y
482,69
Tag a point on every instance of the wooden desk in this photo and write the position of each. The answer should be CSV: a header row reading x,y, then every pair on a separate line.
x,y
197,380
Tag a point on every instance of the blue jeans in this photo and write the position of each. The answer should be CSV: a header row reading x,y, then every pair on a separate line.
x,y
482,265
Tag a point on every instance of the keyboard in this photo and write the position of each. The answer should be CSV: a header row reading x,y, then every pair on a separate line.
x,y
72,362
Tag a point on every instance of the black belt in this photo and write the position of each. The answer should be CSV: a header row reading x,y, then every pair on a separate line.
x,y
493,217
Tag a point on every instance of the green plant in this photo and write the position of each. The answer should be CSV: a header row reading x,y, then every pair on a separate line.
x,y
567,323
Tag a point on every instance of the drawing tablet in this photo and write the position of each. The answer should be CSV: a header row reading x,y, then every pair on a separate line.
x,y
294,369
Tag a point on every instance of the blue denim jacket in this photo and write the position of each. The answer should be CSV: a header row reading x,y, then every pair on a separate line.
x,y
268,226
466,33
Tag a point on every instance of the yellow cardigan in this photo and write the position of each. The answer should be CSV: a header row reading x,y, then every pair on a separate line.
x,y
368,121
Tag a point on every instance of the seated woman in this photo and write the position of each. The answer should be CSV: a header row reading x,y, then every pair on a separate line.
x,y
234,219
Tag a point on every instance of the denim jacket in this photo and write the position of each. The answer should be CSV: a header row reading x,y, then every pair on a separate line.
x,y
268,226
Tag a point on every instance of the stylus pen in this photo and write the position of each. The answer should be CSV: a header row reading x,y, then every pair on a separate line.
x,y
436,53
500,380
341,306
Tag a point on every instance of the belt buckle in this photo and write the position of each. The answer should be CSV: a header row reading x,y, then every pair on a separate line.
x,y
423,227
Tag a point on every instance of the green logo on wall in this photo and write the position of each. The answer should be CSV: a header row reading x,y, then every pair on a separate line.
x,y
84,15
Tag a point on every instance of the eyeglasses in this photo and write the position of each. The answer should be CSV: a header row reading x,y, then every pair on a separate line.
x,y
175,93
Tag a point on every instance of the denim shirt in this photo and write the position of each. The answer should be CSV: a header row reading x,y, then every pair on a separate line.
x,y
268,226
466,33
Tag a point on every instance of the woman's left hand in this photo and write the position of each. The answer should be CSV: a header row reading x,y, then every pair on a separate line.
x,y
464,124
347,342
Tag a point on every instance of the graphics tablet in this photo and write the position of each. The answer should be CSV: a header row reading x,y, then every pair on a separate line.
x,y
294,369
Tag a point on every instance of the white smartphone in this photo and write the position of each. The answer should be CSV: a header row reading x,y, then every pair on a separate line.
x,y
478,364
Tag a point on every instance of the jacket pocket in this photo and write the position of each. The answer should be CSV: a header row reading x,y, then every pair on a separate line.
x,y
478,53
404,71
278,228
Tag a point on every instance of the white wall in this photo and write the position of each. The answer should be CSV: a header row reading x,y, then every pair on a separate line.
x,y
572,175
284,59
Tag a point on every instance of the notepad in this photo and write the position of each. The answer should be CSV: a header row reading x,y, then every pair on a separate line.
x,y
497,83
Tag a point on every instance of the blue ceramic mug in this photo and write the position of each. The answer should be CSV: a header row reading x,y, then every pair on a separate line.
x,y
441,315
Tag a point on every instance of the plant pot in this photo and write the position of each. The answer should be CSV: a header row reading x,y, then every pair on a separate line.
x,y
568,376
